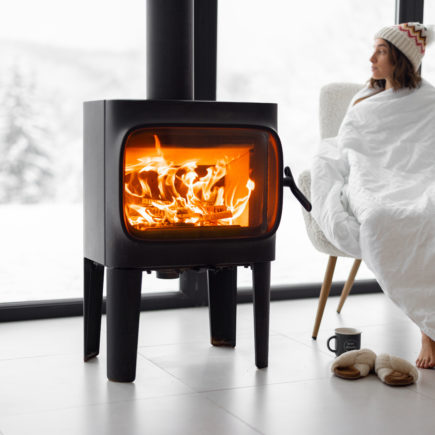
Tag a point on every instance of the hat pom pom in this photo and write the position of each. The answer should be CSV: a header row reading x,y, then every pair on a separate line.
x,y
430,34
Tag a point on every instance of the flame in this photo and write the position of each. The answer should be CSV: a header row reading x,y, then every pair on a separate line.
x,y
158,192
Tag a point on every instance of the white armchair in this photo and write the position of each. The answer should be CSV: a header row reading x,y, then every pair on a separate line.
x,y
334,100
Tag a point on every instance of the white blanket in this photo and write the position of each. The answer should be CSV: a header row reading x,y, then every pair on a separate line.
x,y
373,194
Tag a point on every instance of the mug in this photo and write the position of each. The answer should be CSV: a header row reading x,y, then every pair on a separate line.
x,y
345,339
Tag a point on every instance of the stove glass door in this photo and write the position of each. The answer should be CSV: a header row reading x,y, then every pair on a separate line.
x,y
200,182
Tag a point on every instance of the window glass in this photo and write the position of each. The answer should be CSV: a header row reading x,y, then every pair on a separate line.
x,y
55,55
284,53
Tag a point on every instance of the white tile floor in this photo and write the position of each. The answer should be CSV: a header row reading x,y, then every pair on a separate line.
x,y
185,386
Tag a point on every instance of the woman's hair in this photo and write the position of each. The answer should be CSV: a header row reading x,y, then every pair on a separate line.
x,y
404,75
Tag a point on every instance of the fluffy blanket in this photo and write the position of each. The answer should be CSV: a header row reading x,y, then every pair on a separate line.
x,y
373,194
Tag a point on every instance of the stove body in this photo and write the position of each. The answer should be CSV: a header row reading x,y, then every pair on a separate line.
x,y
109,128
178,183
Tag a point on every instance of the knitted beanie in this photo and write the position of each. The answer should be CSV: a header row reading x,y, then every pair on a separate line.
x,y
410,38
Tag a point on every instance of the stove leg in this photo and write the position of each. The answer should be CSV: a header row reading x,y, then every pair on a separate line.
x,y
261,280
92,307
222,290
122,309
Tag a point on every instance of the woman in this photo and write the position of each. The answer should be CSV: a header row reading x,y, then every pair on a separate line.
x,y
392,69
373,186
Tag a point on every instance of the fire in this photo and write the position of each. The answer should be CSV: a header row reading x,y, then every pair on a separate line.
x,y
160,193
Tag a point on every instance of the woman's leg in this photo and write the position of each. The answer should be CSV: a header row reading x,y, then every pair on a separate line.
x,y
426,359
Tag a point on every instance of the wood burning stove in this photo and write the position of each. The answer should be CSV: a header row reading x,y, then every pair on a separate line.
x,y
172,186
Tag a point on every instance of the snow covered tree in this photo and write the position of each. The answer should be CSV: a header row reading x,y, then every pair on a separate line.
x,y
26,168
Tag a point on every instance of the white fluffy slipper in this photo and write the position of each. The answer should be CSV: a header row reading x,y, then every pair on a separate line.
x,y
354,364
395,371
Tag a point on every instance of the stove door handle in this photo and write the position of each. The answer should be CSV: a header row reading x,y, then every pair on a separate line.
x,y
290,182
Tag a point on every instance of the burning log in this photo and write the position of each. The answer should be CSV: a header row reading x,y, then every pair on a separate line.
x,y
217,216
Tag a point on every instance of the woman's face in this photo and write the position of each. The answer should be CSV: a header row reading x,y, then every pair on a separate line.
x,y
382,68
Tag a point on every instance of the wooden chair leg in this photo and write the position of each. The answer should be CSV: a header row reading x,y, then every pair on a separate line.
x,y
324,293
349,283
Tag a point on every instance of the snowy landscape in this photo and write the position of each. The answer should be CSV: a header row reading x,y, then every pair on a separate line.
x,y
267,55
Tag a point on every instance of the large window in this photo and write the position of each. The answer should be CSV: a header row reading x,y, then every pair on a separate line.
x,y
58,54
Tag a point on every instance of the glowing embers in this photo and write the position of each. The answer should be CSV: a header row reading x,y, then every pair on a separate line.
x,y
169,186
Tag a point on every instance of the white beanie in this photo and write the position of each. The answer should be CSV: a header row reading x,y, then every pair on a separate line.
x,y
410,38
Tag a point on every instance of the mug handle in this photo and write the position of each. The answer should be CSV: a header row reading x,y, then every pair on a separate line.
x,y
329,340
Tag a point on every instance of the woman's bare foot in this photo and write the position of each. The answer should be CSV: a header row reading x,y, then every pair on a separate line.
x,y
426,359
